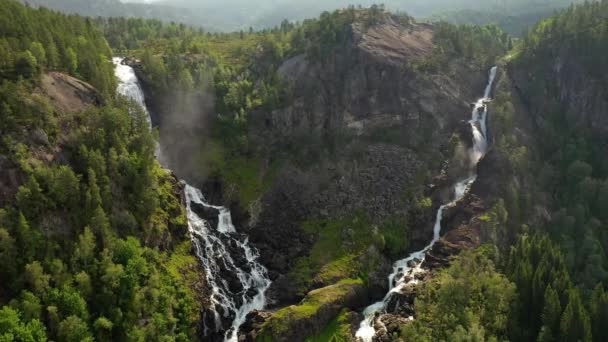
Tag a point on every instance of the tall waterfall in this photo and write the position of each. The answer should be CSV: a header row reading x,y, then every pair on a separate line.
x,y
407,268
129,85
238,282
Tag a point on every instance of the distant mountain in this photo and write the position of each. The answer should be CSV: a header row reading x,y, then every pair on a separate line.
x,y
116,8
514,24
234,15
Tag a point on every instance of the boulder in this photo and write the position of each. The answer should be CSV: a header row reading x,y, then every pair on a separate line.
x,y
387,326
253,323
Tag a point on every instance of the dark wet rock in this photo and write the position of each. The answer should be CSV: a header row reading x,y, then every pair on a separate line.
x,y
581,97
215,333
282,291
387,326
234,284
207,213
253,323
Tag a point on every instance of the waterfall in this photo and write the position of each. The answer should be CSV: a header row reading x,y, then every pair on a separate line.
x,y
405,270
238,282
224,253
129,85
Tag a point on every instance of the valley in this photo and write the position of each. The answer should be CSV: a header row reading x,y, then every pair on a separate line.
x,y
361,176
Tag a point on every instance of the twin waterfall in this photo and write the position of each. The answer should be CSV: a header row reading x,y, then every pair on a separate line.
x,y
405,270
236,280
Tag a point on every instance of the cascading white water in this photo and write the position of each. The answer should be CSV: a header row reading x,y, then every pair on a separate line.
x,y
129,85
217,249
409,267
221,249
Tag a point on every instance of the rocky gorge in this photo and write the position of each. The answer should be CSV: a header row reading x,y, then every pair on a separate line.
x,y
397,136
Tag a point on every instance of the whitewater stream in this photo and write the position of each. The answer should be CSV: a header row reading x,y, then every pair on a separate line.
x,y
405,270
223,252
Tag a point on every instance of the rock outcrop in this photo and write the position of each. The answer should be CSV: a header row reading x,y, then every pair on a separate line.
x,y
297,322
69,94
66,94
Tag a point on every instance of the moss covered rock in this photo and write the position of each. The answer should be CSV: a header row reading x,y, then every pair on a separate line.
x,y
314,313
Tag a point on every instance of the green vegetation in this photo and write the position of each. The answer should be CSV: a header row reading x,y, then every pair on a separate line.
x,y
313,305
186,71
86,240
338,330
319,37
36,40
555,274
561,270
581,31
184,68
571,158
92,240
342,247
549,306
480,46
469,301
514,23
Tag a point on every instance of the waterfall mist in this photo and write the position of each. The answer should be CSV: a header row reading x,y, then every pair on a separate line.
x,y
184,131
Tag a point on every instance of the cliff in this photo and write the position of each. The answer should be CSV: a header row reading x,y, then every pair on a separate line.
x,y
369,134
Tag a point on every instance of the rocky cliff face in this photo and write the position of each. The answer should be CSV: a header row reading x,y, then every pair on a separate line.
x,y
583,97
392,132
370,84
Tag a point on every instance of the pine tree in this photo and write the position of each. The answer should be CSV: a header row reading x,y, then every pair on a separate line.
x,y
71,61
30,199
93,195
29,239
8,257
84,254
101,227
36,279
39,53
574,324
26,64
550,317
599,313
52,56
